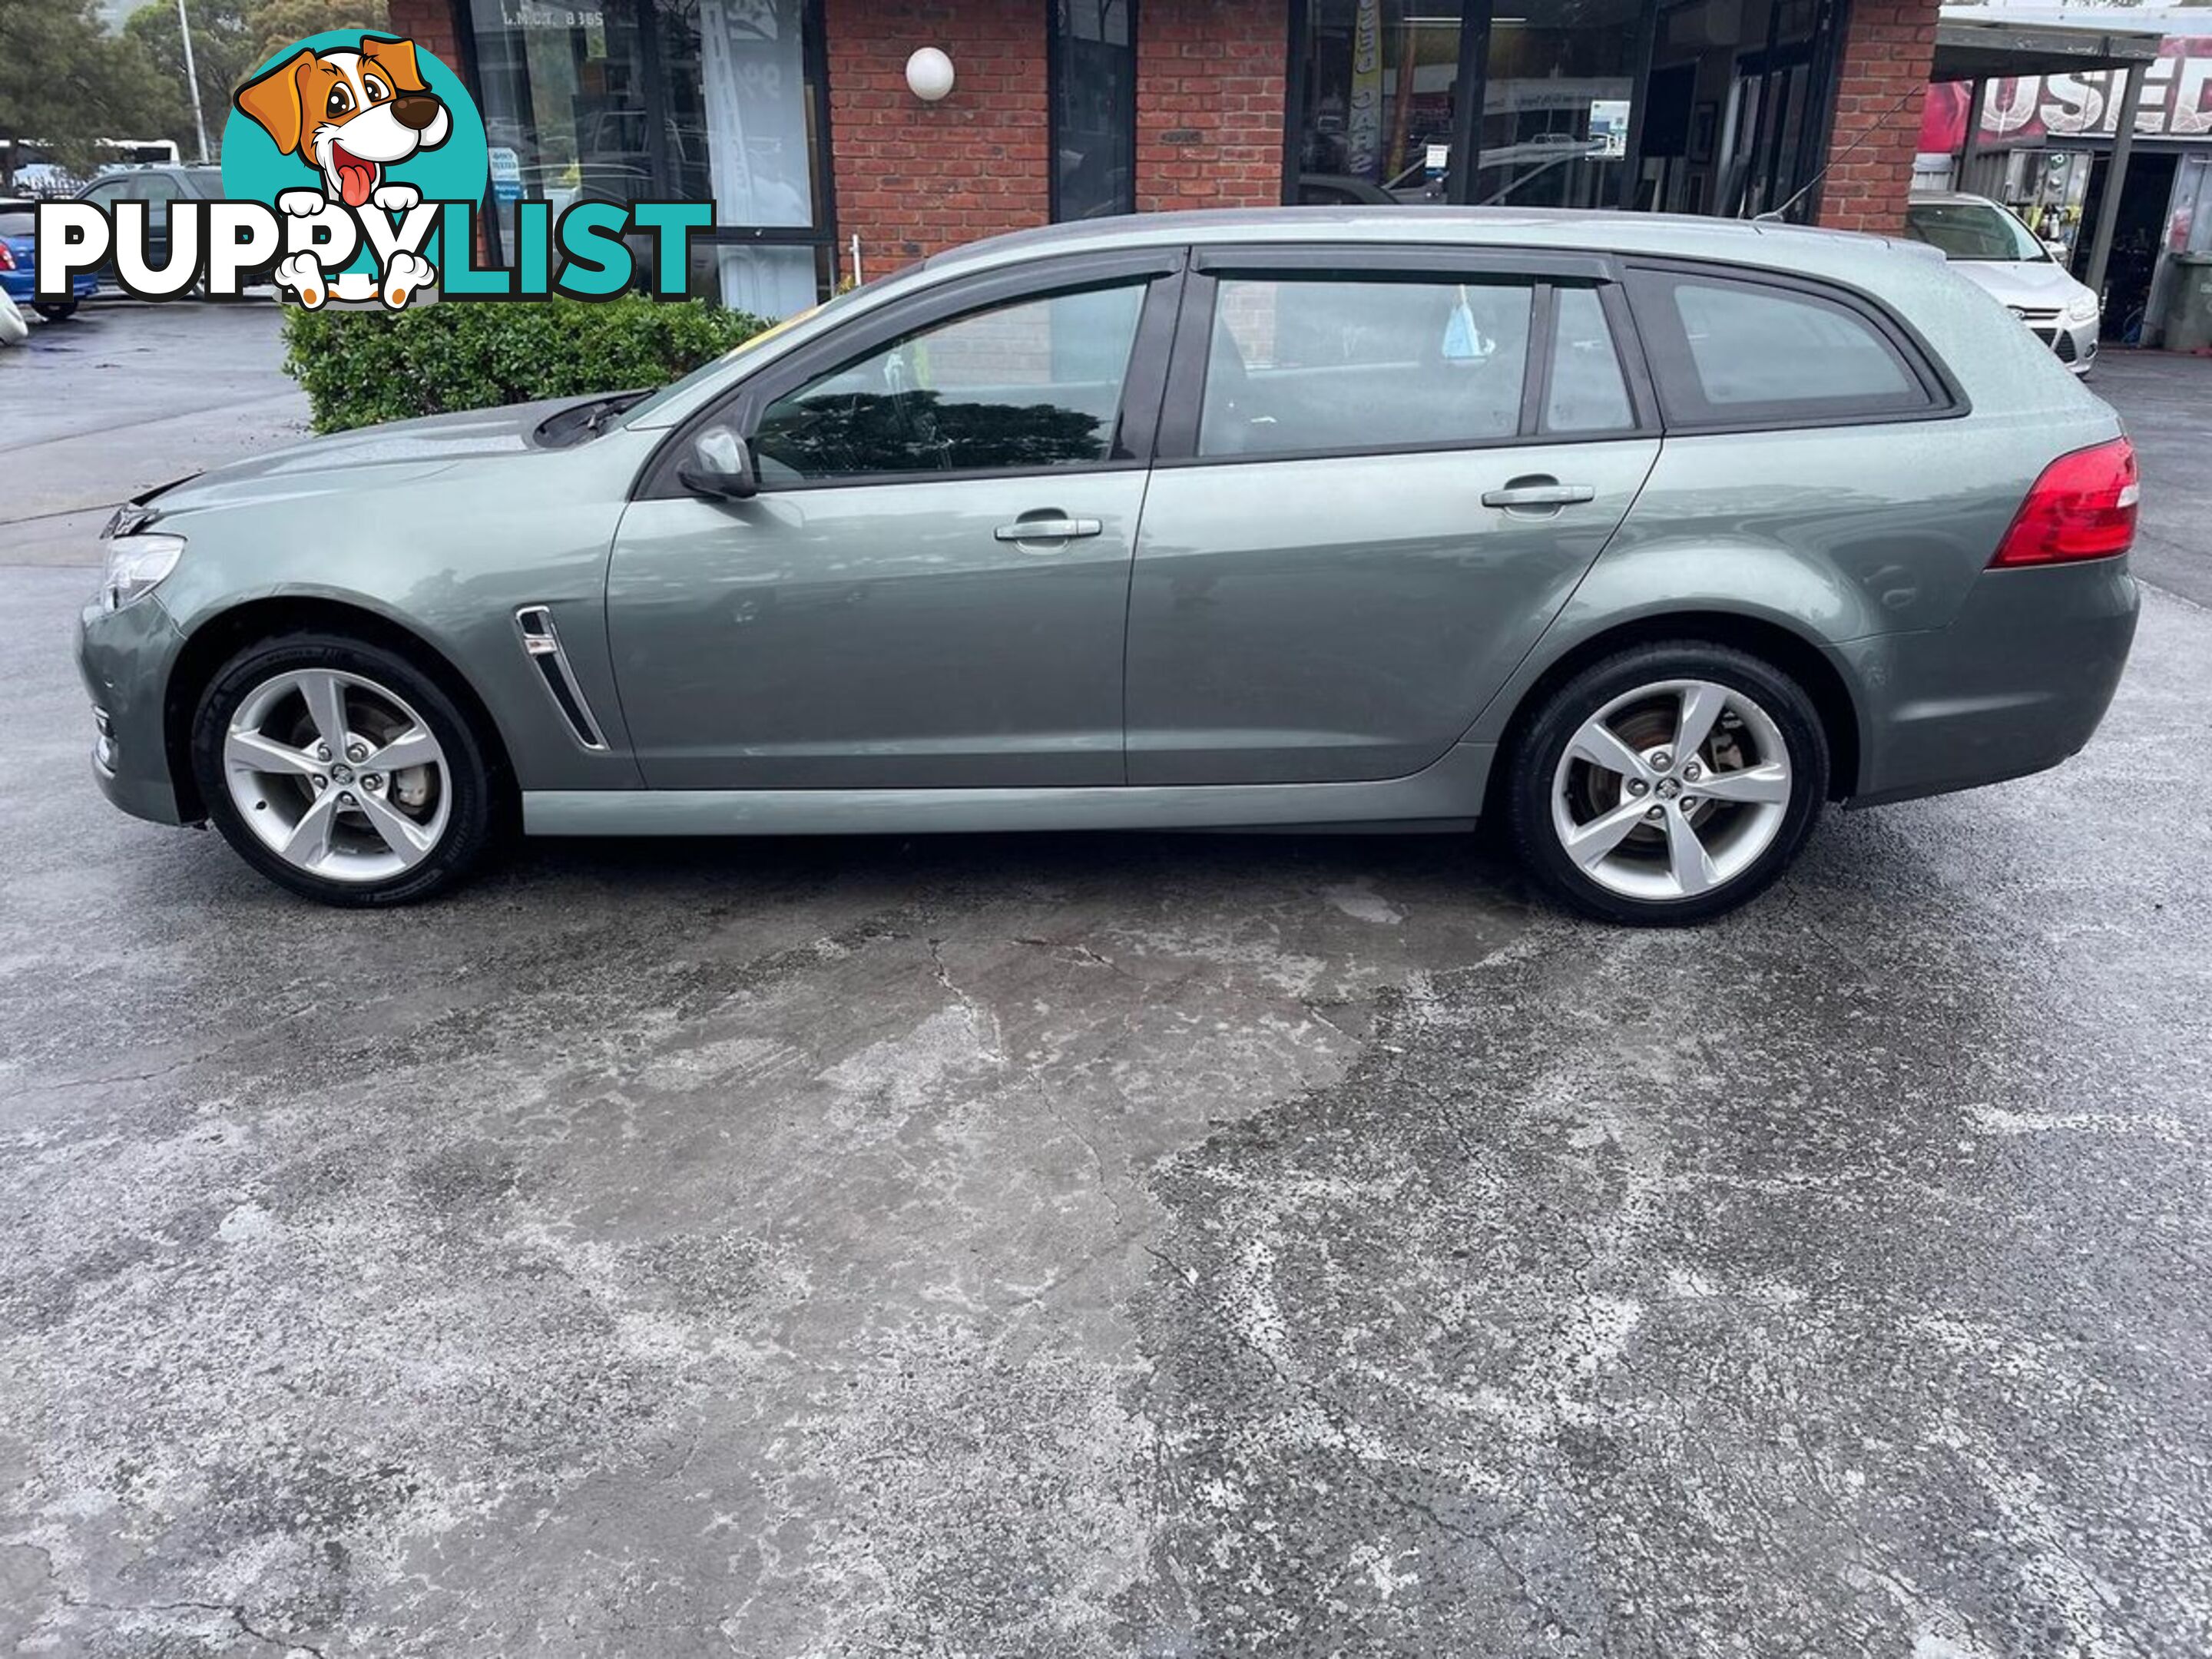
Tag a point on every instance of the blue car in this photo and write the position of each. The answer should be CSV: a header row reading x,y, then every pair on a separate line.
x,y
18,272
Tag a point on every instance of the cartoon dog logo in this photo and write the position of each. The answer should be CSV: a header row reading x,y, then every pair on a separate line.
x,y
352,116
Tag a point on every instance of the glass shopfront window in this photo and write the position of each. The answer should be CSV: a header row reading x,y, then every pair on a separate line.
x,y
664,99
1094,108
1557,103
1379,89
1688,107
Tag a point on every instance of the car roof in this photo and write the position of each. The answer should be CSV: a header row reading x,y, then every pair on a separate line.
x,y
1947,198
1769,243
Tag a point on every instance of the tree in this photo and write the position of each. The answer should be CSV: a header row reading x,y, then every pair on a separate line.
x,y
231,40
66,83
276,24
222,54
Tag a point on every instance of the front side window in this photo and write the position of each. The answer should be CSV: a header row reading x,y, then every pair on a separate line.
x,y
1734,351
1033,385
1295,365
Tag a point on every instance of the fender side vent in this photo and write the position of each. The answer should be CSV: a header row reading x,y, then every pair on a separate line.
x,y
541,641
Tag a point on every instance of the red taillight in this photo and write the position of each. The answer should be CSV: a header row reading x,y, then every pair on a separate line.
x,y
7,260
2083,506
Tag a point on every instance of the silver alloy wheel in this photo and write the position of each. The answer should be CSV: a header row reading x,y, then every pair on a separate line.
x,y
337,774
1671,790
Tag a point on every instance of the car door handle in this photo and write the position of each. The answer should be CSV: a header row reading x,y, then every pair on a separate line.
x,y
1539,494
1047,530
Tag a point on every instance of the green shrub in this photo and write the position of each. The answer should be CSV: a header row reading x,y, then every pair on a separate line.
x,y
361,367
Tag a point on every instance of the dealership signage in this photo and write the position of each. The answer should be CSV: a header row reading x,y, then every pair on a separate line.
x,y
2177,103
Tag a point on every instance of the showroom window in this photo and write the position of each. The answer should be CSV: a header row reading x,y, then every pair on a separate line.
x,y
720,100
1691,106
1093,82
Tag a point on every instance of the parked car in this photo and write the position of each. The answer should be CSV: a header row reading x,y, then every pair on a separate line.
x,y
19,264
157,186
1993,249
44,180
1649,536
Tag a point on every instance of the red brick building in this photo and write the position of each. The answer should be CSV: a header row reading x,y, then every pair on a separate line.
x,y
798,117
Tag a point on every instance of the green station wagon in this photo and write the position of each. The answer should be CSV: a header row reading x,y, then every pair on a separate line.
x,y
1651,536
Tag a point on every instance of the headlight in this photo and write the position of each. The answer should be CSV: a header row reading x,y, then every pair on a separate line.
x,y
135,564
2083,310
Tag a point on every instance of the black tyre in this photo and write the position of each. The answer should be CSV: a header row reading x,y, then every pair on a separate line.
x,y
60,313
344,770
1669,784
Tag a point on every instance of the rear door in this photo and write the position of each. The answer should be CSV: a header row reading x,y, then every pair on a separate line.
x,y
1381,473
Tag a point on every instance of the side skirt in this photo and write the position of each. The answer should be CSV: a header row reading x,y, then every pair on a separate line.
x,y
1448,792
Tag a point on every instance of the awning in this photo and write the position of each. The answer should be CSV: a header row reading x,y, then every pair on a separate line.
x,y
1970,47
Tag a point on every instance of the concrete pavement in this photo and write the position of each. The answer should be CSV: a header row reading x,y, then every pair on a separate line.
x,y
1089,1246
124,396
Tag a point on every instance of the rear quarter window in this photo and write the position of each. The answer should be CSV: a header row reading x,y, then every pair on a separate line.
x,y
1730,352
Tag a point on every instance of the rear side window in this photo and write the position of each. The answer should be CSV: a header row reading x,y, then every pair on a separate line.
x,y
1296,365
1746,352
1586,392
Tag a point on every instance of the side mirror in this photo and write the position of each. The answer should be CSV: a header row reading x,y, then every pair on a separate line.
x,y
721,467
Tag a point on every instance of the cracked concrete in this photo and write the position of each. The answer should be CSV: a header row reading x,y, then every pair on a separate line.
x,y
1089,1246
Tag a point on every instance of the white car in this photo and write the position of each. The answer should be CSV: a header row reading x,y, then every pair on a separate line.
x,y
1990,246
13,328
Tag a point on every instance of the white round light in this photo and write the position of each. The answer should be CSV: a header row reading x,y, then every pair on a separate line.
x,y
929,75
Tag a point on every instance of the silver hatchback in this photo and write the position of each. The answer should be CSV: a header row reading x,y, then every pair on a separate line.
x,y
1649,537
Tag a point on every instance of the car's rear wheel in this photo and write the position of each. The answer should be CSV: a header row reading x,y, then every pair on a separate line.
x,y
1669,784
58,313
343,771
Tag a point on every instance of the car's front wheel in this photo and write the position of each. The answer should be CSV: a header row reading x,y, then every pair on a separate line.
x,y
343,771
61,312
1668,784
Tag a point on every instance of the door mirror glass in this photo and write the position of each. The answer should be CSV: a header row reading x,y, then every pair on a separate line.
x,y
720,466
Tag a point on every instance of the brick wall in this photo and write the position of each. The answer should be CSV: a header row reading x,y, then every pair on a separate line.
x,y
429,25
1888,46
914,178
1210,103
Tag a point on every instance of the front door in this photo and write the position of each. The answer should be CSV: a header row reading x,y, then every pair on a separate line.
x,y
931,587
1391,478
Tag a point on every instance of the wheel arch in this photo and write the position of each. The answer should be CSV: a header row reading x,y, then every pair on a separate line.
x,y
222,635
1773,642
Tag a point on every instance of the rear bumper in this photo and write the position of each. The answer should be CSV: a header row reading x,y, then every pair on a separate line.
x,y
20,285
2016,683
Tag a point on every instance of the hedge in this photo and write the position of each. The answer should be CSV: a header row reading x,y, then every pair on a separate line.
x,y
361,367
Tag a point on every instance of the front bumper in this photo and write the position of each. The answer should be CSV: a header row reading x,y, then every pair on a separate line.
x,y
125,657
2015,685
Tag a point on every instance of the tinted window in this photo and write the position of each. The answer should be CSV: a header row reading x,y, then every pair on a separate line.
x,y
18,222
1033,385
1295,365
1748,352
1587,393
